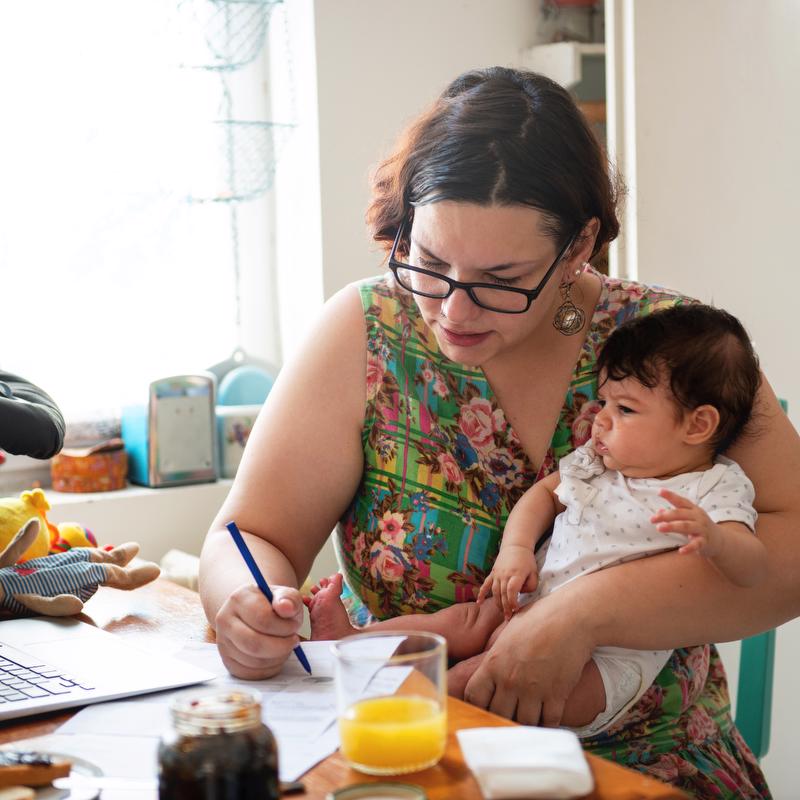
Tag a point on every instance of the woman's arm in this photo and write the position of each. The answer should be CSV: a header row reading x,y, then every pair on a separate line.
x,y
655,603
300,469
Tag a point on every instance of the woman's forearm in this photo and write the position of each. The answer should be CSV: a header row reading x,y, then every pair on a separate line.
x,y
222,569
670,600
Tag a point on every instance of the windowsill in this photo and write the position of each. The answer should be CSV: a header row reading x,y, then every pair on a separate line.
x,y
172,517
133,491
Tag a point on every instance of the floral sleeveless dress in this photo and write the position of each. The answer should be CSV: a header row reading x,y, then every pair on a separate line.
x,y
443,469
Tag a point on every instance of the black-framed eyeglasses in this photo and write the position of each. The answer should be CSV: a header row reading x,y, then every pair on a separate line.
x,y
502,299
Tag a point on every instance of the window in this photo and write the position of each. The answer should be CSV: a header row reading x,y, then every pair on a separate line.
x,y
114,273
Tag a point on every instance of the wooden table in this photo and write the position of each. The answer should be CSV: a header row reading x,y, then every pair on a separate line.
x,y
164,609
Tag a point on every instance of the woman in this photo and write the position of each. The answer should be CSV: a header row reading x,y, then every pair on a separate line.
x,y
431,399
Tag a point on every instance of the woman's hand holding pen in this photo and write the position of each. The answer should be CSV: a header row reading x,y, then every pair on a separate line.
x,y
255,637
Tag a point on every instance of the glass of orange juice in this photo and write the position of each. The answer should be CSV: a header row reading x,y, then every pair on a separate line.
x,y
391,691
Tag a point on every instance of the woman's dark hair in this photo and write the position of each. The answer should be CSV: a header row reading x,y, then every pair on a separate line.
x,y
499,136
703,352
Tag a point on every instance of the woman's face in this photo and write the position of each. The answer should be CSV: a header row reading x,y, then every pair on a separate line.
x,y
486,244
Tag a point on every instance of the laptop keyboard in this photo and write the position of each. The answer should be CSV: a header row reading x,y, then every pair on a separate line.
x,y
23,677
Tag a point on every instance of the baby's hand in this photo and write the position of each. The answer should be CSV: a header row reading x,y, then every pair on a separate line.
x,y
705,536
514,570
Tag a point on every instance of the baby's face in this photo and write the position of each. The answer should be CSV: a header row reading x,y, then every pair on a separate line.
x,y
640,431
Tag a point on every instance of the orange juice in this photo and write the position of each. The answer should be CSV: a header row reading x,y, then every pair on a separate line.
x,y
390,735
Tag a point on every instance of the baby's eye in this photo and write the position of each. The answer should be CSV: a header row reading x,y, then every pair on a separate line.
x,y
601,403
626,410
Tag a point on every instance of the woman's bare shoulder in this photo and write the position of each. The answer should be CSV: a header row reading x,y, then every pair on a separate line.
x,y
303,461
327,374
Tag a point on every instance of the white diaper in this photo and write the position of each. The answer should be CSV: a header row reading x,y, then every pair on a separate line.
x,y
627,675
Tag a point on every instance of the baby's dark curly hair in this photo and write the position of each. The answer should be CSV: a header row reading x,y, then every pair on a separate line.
x,y
703,352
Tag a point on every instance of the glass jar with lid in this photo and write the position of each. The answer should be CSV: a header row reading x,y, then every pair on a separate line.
x,y
218,749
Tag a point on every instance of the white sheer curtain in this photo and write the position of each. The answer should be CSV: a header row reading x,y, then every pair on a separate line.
x,y
110,276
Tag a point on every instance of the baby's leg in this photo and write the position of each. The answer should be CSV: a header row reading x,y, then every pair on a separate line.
x,y
612,681
465,626
587,699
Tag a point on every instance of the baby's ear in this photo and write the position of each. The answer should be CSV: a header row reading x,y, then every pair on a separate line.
x,y
701,424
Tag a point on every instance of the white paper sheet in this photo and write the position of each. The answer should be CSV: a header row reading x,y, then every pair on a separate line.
x,y
121,737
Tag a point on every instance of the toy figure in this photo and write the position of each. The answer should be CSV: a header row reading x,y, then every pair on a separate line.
x,y
32,504
58,585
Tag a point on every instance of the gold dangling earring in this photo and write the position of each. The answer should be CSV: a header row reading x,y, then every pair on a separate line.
x,y
569,319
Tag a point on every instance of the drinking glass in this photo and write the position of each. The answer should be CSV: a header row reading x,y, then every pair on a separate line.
x,y
391,692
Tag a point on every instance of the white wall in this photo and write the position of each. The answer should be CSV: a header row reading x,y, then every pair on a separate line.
x,y
379,63
158,519
709,148
717,163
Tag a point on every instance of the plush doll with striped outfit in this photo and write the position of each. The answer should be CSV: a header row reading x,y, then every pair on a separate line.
x,y
58,585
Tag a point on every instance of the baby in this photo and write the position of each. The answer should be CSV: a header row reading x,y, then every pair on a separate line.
x,y
676,388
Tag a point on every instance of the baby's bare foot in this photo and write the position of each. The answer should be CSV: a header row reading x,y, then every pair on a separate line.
x,y
329,618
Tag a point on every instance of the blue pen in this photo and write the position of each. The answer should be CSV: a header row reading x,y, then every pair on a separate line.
x,y
261,581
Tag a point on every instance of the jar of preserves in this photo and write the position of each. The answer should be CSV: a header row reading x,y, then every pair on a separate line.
x,y
219,749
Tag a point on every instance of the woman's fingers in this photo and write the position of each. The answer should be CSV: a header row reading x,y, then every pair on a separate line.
x,y
256,644
529,709
247,658
238,667
255,636
552,712
504,702
287,603
282,617
522,704
480,688
533,665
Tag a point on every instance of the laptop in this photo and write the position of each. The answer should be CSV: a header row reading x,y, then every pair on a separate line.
x,y
49,663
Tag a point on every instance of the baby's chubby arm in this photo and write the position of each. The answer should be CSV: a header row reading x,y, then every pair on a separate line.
x,y
730,546
514,569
